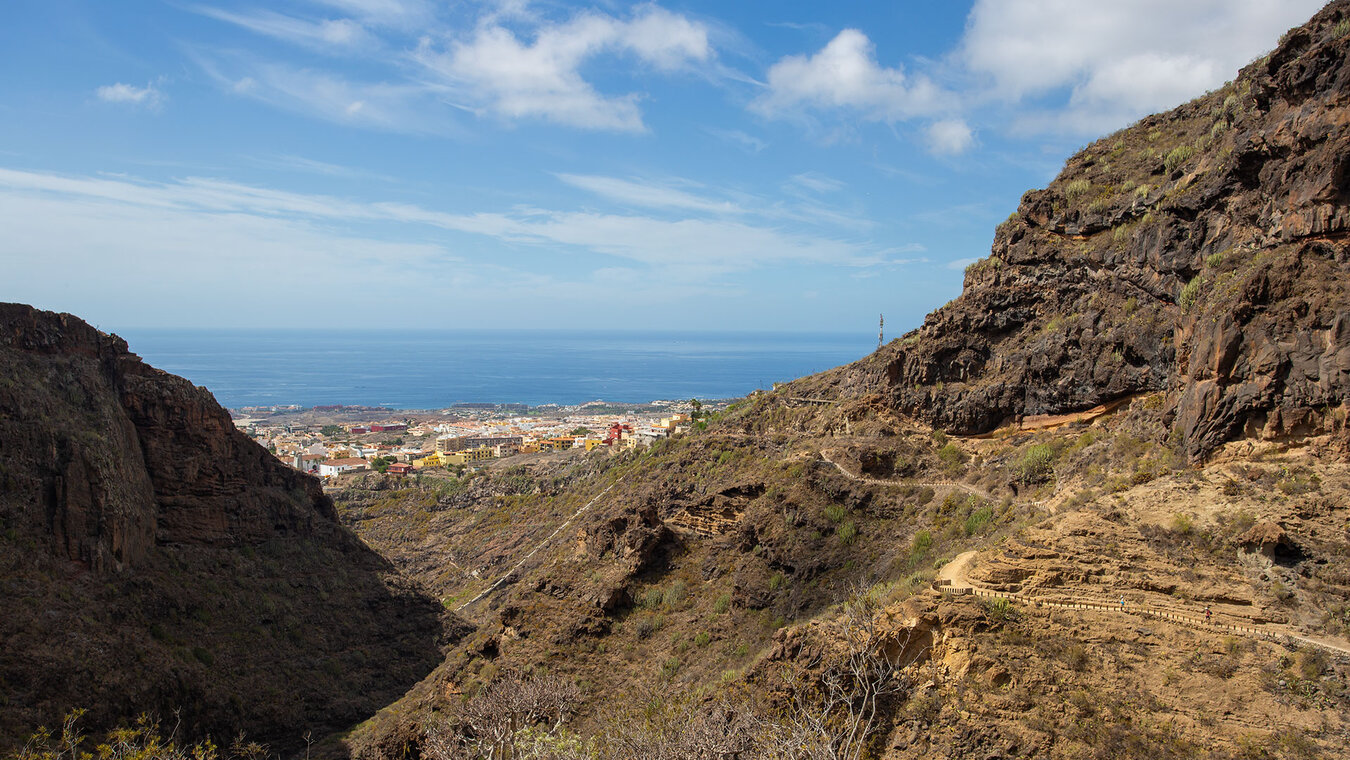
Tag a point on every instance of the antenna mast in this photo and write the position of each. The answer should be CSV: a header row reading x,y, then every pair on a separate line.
x,y
881,328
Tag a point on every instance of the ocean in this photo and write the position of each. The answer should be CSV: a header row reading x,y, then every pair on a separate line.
x,y
431,369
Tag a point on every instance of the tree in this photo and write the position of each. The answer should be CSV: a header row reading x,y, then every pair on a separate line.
x,y
580,431
698,409
381,464
504,720
332,431
833,713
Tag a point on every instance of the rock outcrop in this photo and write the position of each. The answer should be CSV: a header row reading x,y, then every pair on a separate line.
x,y
115,456
1201,252
154,558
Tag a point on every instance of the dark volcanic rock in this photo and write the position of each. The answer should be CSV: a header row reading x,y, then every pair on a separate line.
x,y
1201,252
154,558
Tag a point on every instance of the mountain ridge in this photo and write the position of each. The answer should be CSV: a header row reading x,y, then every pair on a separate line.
x,y
1172,255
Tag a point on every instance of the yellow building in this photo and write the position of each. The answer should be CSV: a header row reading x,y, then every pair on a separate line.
x,y
591,443
468,455
433,460
529,447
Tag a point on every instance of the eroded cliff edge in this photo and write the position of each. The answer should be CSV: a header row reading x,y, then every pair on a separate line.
x,y
1201,252
157,559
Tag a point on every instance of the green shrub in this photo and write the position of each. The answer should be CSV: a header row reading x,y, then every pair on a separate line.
x,y
1342,28
836,512
1214,260
776,581
1183,524
999,609
722,604
652,599
675,594
1189,294
1077,189
951,455
847,532
1036,464
647,624
701,639
919,545
1178,156
979,520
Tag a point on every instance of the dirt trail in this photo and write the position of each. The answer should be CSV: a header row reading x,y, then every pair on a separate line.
x,y
955,572
953,578
507,575
935,485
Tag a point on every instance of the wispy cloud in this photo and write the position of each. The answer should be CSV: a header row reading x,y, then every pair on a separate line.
x,y
749,142
328,35
149,96
686,248
817,182
650,195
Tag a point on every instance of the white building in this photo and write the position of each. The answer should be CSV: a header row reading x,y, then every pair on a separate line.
x,y
336,466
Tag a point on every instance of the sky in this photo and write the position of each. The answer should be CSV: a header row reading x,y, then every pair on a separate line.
x,y
398,164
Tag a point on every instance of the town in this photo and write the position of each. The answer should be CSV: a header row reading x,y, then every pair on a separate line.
x,y
330,440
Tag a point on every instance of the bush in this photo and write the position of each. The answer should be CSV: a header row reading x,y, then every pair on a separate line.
x,y
1077,189
1182,524
1036,464
1075,656
847,532
919,545
951,456
836,513
1178,156
702,639
722,604
979,520
647,624
1189,294
776,581
675,594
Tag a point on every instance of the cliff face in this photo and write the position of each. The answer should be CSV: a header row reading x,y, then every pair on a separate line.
x,y
1202,251
117,456
155,558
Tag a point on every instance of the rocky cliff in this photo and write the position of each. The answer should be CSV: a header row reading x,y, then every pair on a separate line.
x,y
1202,252
155,558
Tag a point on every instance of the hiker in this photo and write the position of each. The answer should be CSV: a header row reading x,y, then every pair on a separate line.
x,y
1208,614
1122,602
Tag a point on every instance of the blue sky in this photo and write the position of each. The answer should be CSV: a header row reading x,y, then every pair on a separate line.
x,y
683,165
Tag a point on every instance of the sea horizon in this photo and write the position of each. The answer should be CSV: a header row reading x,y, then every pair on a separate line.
x,y
433,368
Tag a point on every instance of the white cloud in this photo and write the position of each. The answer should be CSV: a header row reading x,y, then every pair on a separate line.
x,y
322,34
398,107
747,141
950,137
1120,60
148,96
629,192
541,79
817,182
845,75
190,216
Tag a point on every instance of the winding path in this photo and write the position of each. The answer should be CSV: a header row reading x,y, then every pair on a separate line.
x,y
953,578
507,575
935,485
